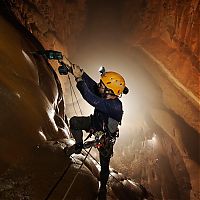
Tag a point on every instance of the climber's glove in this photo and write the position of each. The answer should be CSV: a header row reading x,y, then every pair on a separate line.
x,y
77,71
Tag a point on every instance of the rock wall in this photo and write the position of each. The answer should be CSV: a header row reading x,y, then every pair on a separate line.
x,y
33,131
168,33
172,156
169,30
56,24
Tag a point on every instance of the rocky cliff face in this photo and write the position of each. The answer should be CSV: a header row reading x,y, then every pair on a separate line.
x,y
33,129
173,22
168,33
56,24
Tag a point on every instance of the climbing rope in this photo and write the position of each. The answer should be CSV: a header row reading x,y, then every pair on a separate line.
x,y
72,90
72,95
58,181
69,188
67,168
62,176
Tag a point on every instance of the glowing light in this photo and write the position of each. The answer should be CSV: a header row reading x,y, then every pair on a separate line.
x,y
154,138
102,70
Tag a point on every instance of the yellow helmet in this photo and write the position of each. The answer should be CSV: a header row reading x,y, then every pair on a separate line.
x,y
113,81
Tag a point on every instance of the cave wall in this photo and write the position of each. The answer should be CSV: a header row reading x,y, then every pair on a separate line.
x,y
176,23
56,24
178,144
33,130
168,33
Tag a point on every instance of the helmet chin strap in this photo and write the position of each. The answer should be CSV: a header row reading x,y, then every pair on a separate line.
x,y
108,92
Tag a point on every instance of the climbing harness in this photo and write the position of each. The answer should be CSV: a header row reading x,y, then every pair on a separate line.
x,y
97,142
103,143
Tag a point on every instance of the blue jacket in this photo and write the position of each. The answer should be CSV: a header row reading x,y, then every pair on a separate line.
x,y
104,108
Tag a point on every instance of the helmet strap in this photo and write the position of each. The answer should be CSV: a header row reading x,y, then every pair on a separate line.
x,y
109,92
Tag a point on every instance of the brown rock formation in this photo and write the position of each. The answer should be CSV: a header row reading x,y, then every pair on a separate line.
x,y
168,32
33,131
32,126
56,24
170,35
165,45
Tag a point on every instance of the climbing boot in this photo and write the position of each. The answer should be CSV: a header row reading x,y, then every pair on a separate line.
x,y
76,148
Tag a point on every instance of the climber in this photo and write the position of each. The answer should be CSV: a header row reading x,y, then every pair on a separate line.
x,y
107,116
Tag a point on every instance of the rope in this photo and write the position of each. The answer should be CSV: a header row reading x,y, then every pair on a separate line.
x,y
58,181
139,185
71,87
67,168
62,176
72,95
68,60
69,188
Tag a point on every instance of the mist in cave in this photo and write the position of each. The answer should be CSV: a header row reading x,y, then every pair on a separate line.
x,y
103,43
139,152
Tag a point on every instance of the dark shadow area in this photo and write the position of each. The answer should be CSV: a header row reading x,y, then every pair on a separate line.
x,y
190,138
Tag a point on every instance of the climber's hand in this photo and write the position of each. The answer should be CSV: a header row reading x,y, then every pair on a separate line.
x,y
77,71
